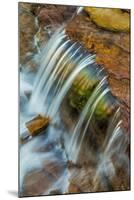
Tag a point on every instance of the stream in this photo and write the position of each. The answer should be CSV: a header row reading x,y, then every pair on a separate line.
x,y
79,158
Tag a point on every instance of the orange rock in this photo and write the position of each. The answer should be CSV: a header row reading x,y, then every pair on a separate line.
x,y
36,125
73,189
112,52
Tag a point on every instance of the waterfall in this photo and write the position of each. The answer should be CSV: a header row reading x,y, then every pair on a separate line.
x,y
113,158
75,146
62,61
60,57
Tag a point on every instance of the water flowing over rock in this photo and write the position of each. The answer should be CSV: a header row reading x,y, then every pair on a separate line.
x,y
112,52
79,93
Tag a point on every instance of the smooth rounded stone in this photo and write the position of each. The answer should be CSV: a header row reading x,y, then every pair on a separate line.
x,y
111,19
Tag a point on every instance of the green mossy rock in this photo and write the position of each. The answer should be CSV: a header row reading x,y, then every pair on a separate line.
x,y
82,89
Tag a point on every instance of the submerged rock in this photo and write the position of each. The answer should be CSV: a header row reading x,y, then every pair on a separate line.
x,y
40,182
73,188
36,125
81,180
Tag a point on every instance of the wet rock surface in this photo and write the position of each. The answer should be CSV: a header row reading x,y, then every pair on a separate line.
x,y
37,124
37,23
27,31
112,52
111,19
41,181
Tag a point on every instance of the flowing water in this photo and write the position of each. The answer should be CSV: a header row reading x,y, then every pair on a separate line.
x,y
61,62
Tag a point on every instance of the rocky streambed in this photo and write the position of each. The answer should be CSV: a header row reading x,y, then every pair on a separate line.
x,y
45,168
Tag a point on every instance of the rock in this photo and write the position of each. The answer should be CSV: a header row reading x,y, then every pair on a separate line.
x,y
121,181
112,53
118,182
50,17
55,167
24,137
27,30
39,182
26,6
55,15
36,125
55,192
111,19
125,113
81,179
73,189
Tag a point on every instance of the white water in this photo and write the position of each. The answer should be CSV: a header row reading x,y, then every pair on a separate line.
x,y
62,61
75,145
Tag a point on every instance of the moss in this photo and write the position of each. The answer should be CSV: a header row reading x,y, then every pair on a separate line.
x,y
81,91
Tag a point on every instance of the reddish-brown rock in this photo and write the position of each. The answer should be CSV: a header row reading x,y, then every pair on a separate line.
x,y
27,30
55,15
112,52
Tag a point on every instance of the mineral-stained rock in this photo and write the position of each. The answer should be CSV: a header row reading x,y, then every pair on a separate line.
x,y
36,125
111,19
112,53
55,15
